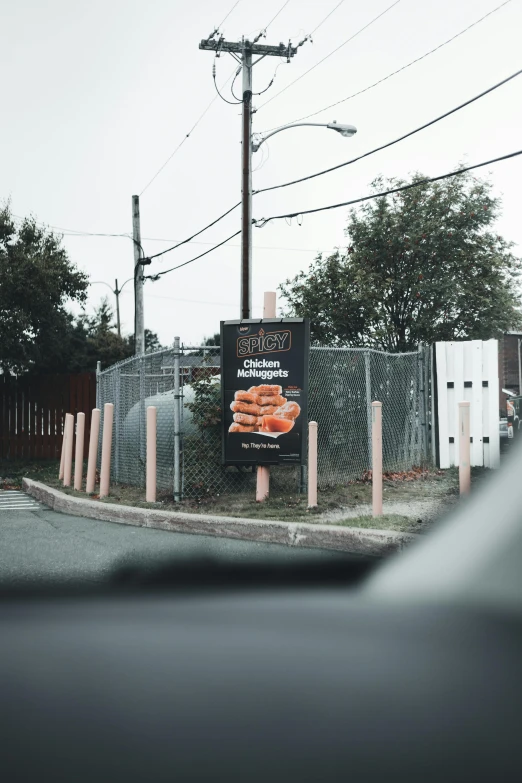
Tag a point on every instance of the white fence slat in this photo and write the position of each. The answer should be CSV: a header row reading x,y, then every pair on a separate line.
x,y
442,393
491,404
457,350
477,447
470,368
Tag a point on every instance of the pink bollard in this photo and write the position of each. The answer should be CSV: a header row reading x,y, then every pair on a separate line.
x,y
67,460
377,458
464,448
62,455
93,451
78,456
105,472
150,492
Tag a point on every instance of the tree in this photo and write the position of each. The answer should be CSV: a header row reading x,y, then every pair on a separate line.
x,y
422,265
36,280
152,342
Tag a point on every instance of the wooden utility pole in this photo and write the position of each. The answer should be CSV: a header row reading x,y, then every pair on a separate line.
x,y
139,325
244,52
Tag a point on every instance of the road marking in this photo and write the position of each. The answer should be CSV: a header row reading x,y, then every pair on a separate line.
x,y
14,500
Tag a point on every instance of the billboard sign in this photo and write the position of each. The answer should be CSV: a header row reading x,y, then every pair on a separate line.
x,y
264,383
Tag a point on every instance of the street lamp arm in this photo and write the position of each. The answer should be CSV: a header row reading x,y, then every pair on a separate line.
x,y
125,283
101,282
344,130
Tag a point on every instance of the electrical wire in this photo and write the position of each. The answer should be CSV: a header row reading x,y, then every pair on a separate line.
x,y
232,103
275,17
70,231
395,141
226,17
394,73
264,159
238,71
186,135
325,18
184,242
210,250
372,21
74,232
261,223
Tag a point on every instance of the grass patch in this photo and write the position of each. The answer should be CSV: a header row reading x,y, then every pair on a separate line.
x,y
385,522
408,488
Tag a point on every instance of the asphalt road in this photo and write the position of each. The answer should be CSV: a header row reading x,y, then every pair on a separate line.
x,y
45,545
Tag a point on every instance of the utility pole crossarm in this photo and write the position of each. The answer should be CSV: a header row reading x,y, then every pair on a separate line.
x,y
238,48
244,51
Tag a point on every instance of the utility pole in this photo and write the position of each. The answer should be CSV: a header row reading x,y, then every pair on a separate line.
x,y
243,52
117,295
139,326
246,190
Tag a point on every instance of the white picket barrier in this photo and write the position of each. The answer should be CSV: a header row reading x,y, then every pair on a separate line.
x,y
466,372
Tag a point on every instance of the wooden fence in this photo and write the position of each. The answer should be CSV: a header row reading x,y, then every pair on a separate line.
x,y
32,412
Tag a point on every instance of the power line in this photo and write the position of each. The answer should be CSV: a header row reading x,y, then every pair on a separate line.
x,y
226,17
70,231
261,223
184,241
325,18
190,301
394,73
275,17
215,247
74,232
232,103
395,141
330,54
182,142
258,247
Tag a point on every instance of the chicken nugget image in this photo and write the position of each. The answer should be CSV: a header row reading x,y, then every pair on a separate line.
x,y
244,396
245,418
290,410
266,389
268,409
245,407
275,399
235,427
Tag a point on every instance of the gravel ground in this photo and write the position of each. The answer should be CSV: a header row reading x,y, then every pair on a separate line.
x,y
422,511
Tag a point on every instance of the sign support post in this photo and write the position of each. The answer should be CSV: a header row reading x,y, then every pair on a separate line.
x,y
263,472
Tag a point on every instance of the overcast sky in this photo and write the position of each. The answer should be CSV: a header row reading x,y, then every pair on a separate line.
x,y
97,95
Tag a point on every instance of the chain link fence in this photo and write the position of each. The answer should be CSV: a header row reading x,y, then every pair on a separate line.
x,y
184,385
343,384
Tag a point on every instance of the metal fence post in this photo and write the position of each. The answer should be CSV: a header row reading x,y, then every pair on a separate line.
x,y
142,428
117,428
423,410
98,371
177,422
368,403
427,398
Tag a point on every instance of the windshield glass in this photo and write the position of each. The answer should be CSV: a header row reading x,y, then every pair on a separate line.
x,y
175,382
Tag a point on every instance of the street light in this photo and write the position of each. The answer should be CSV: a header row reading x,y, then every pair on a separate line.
x,y
344,130
117,291
250,146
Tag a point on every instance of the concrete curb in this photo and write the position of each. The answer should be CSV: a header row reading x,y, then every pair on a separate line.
x,y
344,539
